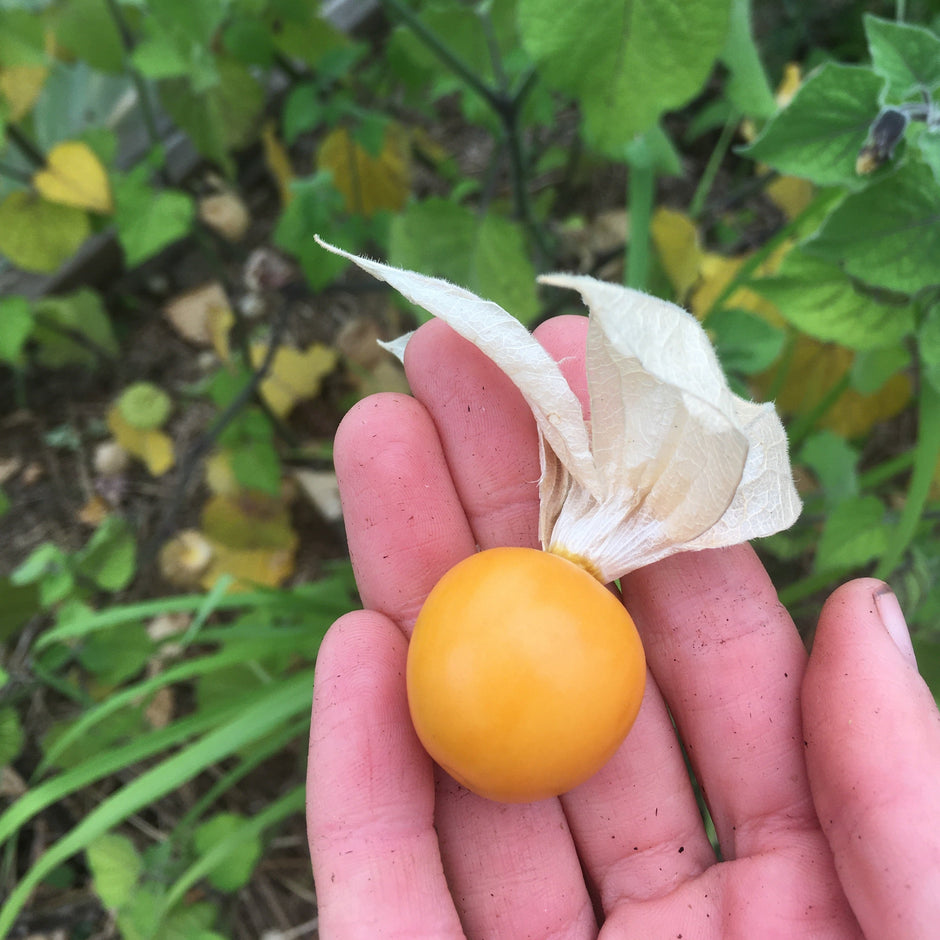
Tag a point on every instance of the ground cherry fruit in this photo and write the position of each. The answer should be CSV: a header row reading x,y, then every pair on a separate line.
x,y
524,674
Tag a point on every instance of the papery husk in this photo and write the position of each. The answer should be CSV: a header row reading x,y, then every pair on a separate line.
x,y
670,460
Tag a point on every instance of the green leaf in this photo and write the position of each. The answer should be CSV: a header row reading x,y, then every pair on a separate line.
x,y
854,534
833,462
928,344
747,87
115,867
18,602
257,466
218,119
871,368
234,870
816,296
626,63
906,56
148,220
144,406
315,204
12,736
16,324
115,655
48,567
110,557
62,322
486,254
887,235
22,38
744,342
819,133
37,235
89,32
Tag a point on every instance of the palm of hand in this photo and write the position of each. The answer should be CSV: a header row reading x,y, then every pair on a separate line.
x,y
399,849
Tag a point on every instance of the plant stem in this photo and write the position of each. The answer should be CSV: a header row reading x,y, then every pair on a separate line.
x,y
925,461
802,427
445,53
641,189
705,184
140,86
26,146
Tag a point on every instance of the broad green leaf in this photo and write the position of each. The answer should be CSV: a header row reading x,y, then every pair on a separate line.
x,y
115,655
873,367
928,344
234,869
110,557
221,118
816,296
88,30
747,86
833,462
16,324
854,534
626,63
115,868
62,322
148,220
906,56
47,566
22,38
744,342
315,202
887,235
289,804
38,235
18,602
819,133
486,254
11,735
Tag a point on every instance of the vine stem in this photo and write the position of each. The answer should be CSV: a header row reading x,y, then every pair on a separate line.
x,y
140,86
506,104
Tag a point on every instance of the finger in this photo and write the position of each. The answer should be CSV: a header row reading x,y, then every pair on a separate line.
x,y
370,793
636,822
486,430
404,520
513,869
729,662
873,754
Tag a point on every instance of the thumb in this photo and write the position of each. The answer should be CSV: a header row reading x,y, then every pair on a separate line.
x,y
872,737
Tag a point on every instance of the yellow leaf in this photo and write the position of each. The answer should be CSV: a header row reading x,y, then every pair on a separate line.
x,y
74,176
220,477
294,375
790,194
368,183
789,84
718,271
21,85
278,161
153,447
251,538
680,252
812,371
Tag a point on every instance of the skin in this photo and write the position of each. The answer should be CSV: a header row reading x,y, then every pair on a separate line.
x,y
819,771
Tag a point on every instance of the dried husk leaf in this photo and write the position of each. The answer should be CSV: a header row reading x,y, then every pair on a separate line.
x,y
671,460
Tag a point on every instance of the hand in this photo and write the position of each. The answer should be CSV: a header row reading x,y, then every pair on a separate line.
x,y
820,773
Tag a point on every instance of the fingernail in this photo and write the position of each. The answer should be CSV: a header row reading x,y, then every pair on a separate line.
x,y
893,619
